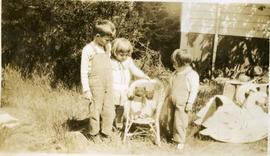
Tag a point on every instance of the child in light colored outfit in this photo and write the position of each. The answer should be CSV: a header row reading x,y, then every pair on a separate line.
x,y
123,68
184,86
96,78
142,104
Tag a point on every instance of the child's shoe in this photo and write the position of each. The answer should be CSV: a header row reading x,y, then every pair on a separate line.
x,y
180,146
106,138
119,126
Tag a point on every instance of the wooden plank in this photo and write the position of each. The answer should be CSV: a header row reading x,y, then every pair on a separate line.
x,y
244,25
217,23
227,17
245,33
203,7
202,22
245,9
240,19
198,29
202,14
262,23
244,18
267,5
183,41
259,9
228,31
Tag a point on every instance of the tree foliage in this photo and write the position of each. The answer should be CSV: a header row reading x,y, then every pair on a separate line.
x,y
240,55
234,55
47,36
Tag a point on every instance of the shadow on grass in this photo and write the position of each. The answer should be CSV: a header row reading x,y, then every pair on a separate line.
x,y
77,125
80,125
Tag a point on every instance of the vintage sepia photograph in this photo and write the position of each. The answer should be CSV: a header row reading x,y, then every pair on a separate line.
x,y
134,78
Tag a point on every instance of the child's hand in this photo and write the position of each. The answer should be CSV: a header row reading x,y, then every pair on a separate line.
x,y
130,96
88,95
188,107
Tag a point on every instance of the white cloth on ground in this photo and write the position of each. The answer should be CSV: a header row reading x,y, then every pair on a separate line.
x,y
225,121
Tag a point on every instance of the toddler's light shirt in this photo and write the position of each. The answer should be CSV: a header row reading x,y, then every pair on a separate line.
x,y
192,82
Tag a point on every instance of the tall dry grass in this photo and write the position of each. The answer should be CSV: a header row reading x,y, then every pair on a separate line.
x,y
45,109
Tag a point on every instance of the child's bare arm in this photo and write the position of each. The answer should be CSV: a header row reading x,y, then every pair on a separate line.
x,y
194,83
136,71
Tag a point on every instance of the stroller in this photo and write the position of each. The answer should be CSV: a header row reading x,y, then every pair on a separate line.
x,y
143,109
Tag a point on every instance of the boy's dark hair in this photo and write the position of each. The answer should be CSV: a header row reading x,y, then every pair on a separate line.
x,y
104,27
181,57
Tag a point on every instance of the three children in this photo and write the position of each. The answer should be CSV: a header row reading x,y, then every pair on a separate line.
x,y
106,73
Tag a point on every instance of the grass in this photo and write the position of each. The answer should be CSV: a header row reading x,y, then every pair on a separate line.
x,y
42,111
4,135
42,107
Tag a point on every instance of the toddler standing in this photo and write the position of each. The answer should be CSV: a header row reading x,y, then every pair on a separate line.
x,y
184,86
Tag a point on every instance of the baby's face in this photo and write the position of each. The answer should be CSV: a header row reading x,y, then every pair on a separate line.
x,y
139,91
149,94
121,56
142,92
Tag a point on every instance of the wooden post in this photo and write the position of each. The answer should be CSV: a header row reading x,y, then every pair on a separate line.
x,y
184,39
217,25
184,29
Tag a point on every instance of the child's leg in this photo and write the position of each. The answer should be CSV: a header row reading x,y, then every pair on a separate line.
x,y
108,113
95,110
180,124
170,118
119,111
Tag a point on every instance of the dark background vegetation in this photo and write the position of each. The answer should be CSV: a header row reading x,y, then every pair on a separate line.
x,y
46,37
